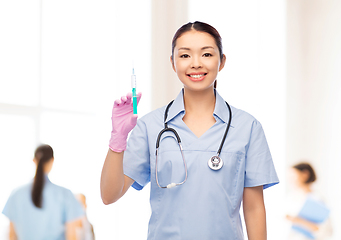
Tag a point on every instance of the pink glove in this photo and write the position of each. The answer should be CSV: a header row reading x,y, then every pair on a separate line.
x,y
123,121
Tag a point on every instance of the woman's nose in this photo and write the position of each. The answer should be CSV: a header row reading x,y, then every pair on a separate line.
x,y
196,63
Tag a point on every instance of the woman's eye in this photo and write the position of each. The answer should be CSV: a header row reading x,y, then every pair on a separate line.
x,y
184,56
207,55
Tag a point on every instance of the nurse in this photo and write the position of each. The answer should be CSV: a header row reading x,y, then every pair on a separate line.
x,y
205,202
42,210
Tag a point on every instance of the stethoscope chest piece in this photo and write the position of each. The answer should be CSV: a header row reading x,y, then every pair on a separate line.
x,y
215,163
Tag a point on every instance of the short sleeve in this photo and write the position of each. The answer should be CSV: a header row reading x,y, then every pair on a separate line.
x,y
10,208
136,164
259,169
73,208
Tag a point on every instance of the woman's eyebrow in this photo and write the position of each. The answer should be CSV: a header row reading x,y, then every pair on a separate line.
x,y
188,49
184,48
206,47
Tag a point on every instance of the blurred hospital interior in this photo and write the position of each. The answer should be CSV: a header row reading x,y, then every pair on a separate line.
x,y
63,63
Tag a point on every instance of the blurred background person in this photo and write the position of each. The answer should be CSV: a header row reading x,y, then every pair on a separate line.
x,y
41,209
85,230
303,176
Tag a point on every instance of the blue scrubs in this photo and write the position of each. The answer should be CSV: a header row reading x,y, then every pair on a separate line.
x,y
207,205
32,223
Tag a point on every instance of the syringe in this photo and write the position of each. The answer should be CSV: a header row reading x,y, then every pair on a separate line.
x,y
133,86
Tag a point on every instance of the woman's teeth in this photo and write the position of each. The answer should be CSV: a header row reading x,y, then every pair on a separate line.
x,y
197,76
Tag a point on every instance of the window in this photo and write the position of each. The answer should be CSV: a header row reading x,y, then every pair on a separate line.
x,y
64,64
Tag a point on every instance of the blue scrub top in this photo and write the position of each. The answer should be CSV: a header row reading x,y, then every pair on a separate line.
x,y
207,205
32,223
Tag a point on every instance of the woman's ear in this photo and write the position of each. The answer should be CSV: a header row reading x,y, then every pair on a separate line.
x,y
172,61
222,63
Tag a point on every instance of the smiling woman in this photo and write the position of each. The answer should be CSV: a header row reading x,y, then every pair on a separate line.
x,y
196,57
214,49
198,114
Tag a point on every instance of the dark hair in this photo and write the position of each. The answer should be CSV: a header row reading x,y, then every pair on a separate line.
x,y
43,154
306,167
200,27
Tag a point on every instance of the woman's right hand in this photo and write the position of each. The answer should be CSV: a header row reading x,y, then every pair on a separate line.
x,y
123,121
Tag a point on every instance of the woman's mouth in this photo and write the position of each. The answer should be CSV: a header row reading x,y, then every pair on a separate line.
x,y
196,77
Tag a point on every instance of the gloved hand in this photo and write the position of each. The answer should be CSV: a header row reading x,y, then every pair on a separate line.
x,y
123,121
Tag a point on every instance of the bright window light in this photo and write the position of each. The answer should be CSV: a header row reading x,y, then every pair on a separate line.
x,y
64,85
17,140
19,52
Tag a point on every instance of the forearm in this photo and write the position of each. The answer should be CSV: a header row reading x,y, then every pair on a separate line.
x,y
71,236
12,237
112,178
255,221
12,233
303,223
113,181
254,213
70,229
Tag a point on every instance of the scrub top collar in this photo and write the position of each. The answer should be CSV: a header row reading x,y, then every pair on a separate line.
x,y
177,107
46,177
220,109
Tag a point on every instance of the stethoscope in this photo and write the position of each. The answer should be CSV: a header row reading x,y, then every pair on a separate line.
x,y
215,162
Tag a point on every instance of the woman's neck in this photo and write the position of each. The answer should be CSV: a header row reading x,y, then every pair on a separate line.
x,y
306,188
196,102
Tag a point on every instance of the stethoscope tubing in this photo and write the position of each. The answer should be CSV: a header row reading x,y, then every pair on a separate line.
x,y
226,131
166,129
171,184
